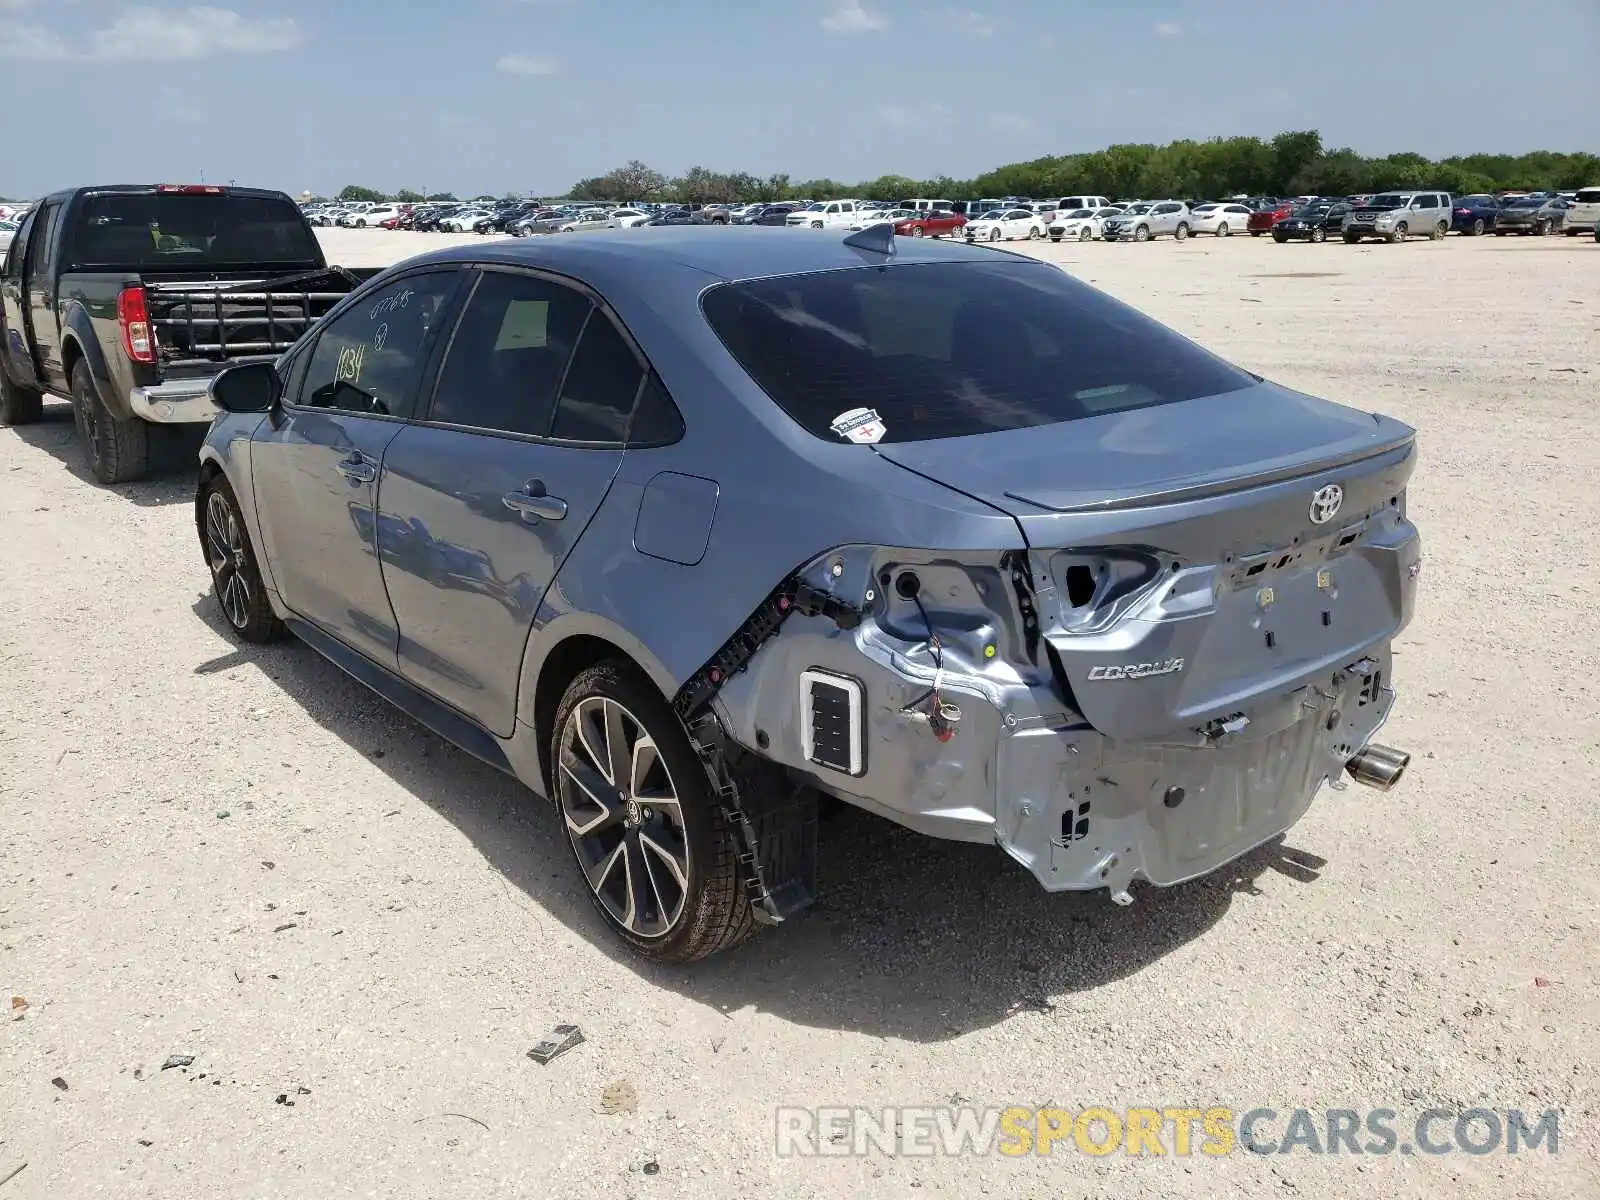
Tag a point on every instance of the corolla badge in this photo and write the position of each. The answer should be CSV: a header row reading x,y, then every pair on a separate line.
x,y
1325,503
1144,670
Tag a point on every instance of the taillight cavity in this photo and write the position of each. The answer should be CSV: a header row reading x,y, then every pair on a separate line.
x,y
133,315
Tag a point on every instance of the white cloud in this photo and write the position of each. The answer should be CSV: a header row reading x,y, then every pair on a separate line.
x,y
851,17
1168,29
1010,123
155,35
967,21
898,116
528,64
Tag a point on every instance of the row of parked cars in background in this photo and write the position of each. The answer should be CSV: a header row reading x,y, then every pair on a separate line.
x,y
1387,216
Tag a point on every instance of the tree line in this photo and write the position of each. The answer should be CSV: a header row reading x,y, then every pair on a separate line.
x,y
1292,163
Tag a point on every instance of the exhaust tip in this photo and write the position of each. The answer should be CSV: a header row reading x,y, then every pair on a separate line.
x,y
1378,767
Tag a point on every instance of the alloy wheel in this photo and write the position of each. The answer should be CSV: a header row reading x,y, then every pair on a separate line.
x,y
623,817
226,556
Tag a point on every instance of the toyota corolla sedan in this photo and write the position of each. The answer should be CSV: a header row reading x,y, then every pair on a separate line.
x,y
688,529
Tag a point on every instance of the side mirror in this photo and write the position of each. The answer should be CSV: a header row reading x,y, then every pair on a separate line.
x,y
246,388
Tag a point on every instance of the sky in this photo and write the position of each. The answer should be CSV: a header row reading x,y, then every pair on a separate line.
x,y
494,96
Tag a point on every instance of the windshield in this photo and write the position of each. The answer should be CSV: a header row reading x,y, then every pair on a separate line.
x,y
1310,210
163,230
1389,200
1078,214
817,207
950,349
994,214
1134,210
1477,200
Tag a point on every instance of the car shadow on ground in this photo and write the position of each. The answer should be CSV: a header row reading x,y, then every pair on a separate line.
x,y
174,456
910,937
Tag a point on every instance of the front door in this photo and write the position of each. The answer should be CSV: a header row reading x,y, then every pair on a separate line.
x,y
316,462
18,349
43,316
482,500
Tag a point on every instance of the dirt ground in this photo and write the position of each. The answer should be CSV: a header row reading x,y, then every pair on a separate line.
x,y
359,932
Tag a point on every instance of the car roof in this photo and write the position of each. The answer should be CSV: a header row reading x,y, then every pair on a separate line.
x,y
741,252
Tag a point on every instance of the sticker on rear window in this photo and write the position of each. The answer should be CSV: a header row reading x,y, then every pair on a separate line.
x,y
861,425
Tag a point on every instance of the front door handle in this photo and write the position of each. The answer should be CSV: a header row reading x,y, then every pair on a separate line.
x,y
357,469
534,503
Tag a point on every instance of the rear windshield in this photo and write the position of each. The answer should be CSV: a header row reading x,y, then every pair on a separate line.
x,y
161,231
950,349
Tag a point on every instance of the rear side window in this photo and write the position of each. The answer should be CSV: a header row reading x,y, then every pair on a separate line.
x,y
598,393
1588,196
951,349
509,355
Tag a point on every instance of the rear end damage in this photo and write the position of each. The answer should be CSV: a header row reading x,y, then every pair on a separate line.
x,y
1147,702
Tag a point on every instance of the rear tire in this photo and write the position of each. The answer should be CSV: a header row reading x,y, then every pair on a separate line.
x,y
710,912
118,451
1438,232
1181,232
235,573
1033,233
18,405
1223,230
1256,232
1477,228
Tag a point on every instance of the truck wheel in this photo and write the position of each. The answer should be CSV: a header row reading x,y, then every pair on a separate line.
x,y
18,405
118,450
235,575
659,857
816,224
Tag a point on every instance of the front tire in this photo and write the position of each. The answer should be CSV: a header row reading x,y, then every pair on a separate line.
x,y
1399,234
1279,237
235,574
994,235
658,856
1319,235
361,224
118,450
1540,228
816,224
1085,234
918,231
18,405
1350,239
1142,234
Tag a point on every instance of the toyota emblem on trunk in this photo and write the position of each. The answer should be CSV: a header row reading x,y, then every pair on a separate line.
x,y
1325,503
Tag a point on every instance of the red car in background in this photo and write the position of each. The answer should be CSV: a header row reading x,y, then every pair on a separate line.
x,y
1263,219
934,223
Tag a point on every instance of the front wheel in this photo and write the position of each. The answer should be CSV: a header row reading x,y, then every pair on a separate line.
x,y
1399,234
235,574
816,224
361,224
1142,234
1279,237
18,405
918,231
655,849
1540,228
994,235
118,450
1319,234
1085,234
1350,239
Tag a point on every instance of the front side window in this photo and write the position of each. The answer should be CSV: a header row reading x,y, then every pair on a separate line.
x,y
509,354
951,349
369,358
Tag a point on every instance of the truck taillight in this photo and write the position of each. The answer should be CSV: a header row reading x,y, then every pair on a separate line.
x,y
134,317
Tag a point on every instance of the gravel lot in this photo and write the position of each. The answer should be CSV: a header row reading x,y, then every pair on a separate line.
x,y
359,932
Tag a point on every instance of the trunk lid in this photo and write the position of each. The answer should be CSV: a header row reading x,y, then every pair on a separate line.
x,y
1183,570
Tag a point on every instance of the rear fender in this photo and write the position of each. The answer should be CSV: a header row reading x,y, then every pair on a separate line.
x,y
79,343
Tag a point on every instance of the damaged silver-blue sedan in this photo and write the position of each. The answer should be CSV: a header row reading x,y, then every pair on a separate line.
x,y
689,528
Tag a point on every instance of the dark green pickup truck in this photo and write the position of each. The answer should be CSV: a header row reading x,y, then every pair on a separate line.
x,y
130,298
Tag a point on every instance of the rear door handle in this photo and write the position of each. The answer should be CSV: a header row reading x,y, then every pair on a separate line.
x,y
357,468
533,503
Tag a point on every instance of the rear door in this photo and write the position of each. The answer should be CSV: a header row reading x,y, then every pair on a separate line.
x,y
316,462
481,501
39,290
19,351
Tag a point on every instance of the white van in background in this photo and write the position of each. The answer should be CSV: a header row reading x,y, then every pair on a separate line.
x,y
1583,212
